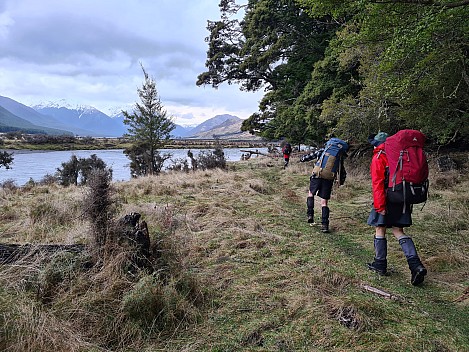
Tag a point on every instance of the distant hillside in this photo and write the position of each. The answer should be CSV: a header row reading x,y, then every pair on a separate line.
x,y
180,131
227,130
87,121
10,122
29,114
212,123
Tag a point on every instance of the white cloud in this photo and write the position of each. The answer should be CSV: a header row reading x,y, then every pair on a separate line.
x,y
89,52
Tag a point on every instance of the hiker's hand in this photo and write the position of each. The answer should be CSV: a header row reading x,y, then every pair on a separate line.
x,y
382,212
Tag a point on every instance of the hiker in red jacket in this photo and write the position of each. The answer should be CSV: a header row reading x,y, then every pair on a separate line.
x,y
286,150
389,215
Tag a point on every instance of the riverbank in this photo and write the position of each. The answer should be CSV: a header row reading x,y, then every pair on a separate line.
x,y
88,143
35,165
248,273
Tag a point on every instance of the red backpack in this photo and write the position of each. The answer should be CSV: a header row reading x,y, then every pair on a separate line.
x,y
408,167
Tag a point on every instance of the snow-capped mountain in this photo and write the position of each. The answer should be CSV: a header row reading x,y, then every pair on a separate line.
x,y
83,117
85,120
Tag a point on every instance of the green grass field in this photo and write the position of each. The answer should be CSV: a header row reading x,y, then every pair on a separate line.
x,y
259,278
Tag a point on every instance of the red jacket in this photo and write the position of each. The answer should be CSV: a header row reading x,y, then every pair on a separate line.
x,y
379,164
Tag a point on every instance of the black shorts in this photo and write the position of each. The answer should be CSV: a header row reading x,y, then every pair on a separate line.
x,y
395,217
320,187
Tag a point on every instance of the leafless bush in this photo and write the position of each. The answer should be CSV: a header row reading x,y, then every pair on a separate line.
x,y
211,159
99,206
180,164
9,185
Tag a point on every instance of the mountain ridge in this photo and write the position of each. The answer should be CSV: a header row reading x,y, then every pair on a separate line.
x,y
84,120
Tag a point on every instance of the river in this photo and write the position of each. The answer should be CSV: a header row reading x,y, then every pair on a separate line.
x,y
35,165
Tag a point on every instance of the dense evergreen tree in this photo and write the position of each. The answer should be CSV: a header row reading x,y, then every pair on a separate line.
x,y
413,58
348,67
148,128
274,47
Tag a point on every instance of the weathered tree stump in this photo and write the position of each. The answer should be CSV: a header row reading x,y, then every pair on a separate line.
x,y
130,229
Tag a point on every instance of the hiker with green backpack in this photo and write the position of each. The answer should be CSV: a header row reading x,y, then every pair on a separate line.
x,y
328,168
399,176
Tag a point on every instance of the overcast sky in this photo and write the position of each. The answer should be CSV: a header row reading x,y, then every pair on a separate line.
x,y
88,53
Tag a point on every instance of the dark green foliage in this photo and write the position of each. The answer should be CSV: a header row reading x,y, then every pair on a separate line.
x,y
80,169
350,68
6,159
211,159
275,48
148,128
88,165
48,139
68,174
145,161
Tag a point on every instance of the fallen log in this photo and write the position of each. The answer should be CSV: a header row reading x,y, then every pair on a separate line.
x,y
10,253
259,153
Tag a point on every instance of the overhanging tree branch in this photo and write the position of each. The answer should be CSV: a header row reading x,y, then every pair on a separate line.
x,y
426,3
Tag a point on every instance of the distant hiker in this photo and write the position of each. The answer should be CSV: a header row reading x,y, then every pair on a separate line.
x,y
286,150
329,167
386,214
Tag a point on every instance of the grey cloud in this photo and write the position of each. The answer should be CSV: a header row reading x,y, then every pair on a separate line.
x,y
71,40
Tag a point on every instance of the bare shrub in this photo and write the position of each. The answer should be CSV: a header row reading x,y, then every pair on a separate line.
x,y
9,185
180,164
48,180
99,206
211,159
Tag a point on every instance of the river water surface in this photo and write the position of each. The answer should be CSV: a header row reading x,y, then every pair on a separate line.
x,y
37,164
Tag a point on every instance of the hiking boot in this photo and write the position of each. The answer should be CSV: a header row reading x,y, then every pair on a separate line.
x,y
418,275
378,267
310,220
325,228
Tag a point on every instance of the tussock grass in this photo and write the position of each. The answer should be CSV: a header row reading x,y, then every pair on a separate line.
x,y
239,268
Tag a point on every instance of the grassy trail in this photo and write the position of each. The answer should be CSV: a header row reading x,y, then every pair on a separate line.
x,y
283,285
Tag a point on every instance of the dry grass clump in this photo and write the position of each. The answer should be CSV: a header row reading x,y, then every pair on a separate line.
x,y
26,326
103,299
445,180
109,305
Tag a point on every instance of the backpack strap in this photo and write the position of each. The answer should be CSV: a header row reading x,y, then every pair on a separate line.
x,y
323,154
398,167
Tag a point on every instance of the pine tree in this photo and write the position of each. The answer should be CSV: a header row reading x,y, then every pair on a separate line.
x,y
148,127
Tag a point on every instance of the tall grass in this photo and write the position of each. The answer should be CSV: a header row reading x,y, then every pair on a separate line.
x,y
236,267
